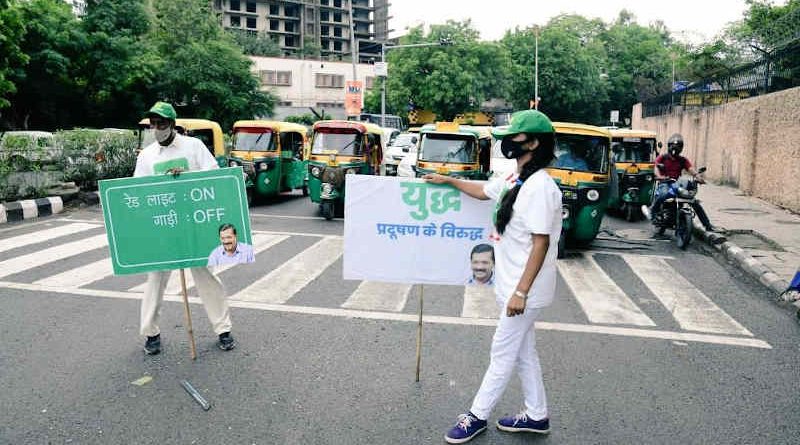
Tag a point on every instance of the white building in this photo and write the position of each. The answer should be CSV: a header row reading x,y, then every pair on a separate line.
x,y
303,84
78,7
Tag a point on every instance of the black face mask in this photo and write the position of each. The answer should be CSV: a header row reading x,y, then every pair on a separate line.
x,y
512,149
674,152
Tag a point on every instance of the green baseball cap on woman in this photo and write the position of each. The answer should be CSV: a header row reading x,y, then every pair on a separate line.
x,y
526,121
162,109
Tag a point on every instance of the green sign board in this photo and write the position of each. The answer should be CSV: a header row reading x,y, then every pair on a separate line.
x,y
164,222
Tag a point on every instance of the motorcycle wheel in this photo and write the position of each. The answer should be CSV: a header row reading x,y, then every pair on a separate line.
x,y
683,233
327,209
305,190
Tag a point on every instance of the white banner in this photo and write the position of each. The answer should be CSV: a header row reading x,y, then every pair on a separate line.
x,y
405,230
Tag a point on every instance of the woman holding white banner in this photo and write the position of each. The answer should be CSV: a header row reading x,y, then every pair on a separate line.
x,y
528,222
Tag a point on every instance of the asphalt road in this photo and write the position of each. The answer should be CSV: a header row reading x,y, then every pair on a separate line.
x,y
703,358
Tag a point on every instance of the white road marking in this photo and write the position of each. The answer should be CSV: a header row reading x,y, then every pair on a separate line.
x,y
314,218
600,298
691,308
80,276
44,235
261,242
282,283
52,254
479,302
375,296
413,318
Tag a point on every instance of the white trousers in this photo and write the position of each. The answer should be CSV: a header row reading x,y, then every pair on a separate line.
x,y
211,293
513,347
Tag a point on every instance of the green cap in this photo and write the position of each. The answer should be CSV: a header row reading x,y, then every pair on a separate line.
x,y
164,110
526,121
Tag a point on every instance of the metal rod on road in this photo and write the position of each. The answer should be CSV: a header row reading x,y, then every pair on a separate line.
x,y
419,331
195,394
188,314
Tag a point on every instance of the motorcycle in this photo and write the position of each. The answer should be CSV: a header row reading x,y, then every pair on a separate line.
x,y
677,211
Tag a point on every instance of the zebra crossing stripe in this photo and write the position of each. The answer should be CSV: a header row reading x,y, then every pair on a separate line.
x,y
693,310
479,302
600,298
79,276
261,242
35,259
372,295
281,284
44,235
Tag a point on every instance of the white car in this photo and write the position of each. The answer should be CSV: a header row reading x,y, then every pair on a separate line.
x,y
402,146
406,167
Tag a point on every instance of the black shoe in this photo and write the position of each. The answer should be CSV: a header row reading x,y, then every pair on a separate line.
x,y
153,345
226,341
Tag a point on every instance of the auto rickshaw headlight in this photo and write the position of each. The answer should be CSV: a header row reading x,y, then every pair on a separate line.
x,y
233,163
564,212
350,171
315,171
263,166
649,177
593,195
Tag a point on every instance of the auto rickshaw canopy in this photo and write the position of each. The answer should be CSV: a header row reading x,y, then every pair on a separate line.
x,y
275,126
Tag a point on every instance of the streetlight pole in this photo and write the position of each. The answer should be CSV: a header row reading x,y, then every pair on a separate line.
x,y
383,86
536,70
444,41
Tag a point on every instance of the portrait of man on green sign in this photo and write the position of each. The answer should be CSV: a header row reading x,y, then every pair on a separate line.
x,y
230,250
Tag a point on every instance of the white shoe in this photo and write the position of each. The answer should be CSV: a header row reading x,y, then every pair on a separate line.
x,y
646,212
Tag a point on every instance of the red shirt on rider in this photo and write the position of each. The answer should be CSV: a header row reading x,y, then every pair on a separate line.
x,y
673,165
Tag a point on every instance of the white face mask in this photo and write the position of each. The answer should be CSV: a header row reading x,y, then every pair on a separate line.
x,y
163,135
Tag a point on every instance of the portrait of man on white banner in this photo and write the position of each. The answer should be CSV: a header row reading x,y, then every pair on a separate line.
x,y
404,230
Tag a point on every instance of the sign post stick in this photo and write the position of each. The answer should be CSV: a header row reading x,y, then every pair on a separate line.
x,y
419,331
188,314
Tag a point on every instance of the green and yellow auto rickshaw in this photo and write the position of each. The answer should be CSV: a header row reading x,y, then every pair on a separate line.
x,y
460,151
581,169
272,154
341,148
634,153
207,131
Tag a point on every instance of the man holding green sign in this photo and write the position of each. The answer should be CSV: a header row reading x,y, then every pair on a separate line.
x,y
173,153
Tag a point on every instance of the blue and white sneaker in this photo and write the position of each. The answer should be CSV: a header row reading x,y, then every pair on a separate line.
x,y
522,423
467,427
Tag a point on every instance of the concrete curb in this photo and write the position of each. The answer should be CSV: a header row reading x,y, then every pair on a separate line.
x,y
742,260
30,208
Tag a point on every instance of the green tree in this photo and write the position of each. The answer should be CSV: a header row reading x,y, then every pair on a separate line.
x,y
255,44
448,80
11,56
571,60
639,63
205,74
121,63
46,87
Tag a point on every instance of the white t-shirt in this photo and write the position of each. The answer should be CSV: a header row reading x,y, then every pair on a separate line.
x,y
537,210
186,152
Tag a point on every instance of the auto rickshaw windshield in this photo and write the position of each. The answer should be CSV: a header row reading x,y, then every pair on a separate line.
x,y
348,144
450,148
634,150
581,152
253,142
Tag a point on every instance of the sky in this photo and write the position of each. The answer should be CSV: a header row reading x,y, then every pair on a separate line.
x,y
690,21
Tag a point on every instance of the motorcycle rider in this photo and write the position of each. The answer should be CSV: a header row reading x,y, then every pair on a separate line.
x,y
674,164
